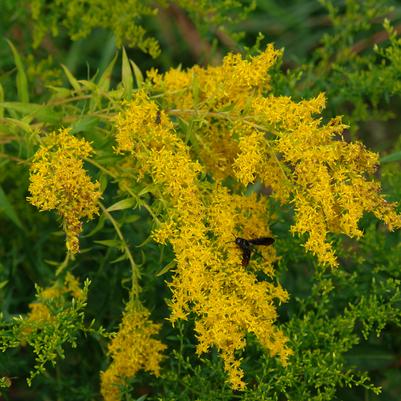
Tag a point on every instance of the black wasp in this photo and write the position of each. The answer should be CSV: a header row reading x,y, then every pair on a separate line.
x,y
246,248
158,118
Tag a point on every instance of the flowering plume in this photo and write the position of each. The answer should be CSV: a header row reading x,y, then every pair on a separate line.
x,y
59,181
241,130
201,221
55,318
40,313
232,127
133,348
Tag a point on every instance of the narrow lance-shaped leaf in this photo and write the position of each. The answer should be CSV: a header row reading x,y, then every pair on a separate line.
x,y
20,124
137,73
166,268
31,110
393,157
123,204
99,226
102,86
7,208
1,100
71,79
127,77
112,243
21,80
120,258
104,80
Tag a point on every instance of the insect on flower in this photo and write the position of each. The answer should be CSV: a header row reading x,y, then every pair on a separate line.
x,y
158,118
246,248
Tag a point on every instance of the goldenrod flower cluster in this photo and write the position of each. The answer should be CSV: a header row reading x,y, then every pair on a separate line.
x,y
214,131
55,319
59,181
133,348
240,129
232,127
202,221
216,88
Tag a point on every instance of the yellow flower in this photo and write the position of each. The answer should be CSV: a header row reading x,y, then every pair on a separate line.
x,y
164,232
202,222
133,348
40,313
215,87
217,149
59,181
72,286
249,157
231,129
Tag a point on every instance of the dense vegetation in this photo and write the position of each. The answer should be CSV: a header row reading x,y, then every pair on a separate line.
x,y
142,144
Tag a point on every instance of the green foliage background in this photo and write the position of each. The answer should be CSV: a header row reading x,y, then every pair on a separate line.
x,y
344,325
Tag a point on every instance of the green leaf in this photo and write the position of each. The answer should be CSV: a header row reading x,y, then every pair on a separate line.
x,y
195,89
91,86
147,240
127,77
137,73
120,258
112,243
166,268
393,157
5,382
99,226
1,100
149,188
52,262
85,124
123,204
21,80
103,179
71,79
130,219
38,111
7,208
18,123
104,80
59,93
24,108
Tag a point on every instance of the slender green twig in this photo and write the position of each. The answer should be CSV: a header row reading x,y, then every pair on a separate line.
x,y
100,167
64,263
135,271
133,194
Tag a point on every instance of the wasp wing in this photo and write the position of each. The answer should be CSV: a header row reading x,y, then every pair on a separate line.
x,y
261,241
246,255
